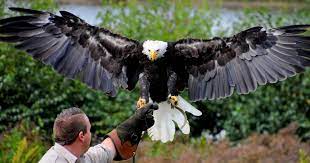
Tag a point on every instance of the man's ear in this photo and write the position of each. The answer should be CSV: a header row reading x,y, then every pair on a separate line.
x,y
81,136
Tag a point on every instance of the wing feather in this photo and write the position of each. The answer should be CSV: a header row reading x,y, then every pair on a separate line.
x,y
74,48
243,62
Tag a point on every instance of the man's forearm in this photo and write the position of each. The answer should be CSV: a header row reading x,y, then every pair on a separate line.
x,y
109,145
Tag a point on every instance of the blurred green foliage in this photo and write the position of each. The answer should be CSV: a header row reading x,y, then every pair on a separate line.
x,y
303,157
22,144
32,91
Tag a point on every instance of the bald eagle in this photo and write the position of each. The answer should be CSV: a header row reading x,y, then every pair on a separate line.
x,y
209,69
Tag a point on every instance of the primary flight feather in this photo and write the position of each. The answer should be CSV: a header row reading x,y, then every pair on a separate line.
x,y
209,69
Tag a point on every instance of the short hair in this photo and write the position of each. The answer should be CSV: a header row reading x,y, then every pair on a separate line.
x,y
68,124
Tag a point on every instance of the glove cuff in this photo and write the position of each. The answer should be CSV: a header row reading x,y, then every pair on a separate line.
x,y
125,150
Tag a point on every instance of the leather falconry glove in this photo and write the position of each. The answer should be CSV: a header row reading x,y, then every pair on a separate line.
x,y
127,135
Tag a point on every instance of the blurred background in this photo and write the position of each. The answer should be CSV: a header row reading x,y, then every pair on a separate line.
x,y
269,125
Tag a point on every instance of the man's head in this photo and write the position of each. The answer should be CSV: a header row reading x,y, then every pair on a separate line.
x,y
72,126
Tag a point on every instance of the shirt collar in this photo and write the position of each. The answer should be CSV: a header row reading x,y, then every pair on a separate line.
x,y
65,153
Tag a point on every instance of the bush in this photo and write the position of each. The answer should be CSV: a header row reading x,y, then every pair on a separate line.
x,y
22,144
32,91
283,146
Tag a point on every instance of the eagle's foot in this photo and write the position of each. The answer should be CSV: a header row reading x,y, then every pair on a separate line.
x,y
173,100
141,103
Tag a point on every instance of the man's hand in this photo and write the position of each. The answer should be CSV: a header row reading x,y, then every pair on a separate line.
x,y
127,135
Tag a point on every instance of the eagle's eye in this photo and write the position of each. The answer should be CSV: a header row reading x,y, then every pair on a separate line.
x,y
157,50
149,50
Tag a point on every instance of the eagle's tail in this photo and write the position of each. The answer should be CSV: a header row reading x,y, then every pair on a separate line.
x,y
166,117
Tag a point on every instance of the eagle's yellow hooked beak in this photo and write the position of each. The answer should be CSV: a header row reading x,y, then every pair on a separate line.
x,y
153,55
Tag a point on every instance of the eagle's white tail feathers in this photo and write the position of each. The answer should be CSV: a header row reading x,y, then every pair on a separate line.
x,y
163,128
166,117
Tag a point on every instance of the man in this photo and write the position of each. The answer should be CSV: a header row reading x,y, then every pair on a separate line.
x,y
72,138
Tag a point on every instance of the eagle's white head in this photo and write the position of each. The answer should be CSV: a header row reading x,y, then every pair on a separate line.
x,y
154,49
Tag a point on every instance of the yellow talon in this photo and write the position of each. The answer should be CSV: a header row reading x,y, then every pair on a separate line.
x,y
141,103
173,100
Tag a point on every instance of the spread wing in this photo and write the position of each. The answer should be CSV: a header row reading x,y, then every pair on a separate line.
x,y
101,59
250,58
